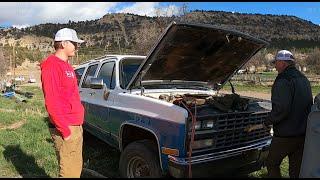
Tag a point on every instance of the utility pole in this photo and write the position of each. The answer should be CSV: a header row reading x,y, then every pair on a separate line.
x,y
10,58
118,41
107,47
14,61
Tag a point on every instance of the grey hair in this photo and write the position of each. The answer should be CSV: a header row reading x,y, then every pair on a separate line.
x,y
290,62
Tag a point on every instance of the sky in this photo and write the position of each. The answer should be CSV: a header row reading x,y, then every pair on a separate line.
x,y
24,14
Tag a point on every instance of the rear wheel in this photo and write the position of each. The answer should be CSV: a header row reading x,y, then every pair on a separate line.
x,y
140,159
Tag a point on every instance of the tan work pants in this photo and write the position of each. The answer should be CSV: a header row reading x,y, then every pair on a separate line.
x,y
69,152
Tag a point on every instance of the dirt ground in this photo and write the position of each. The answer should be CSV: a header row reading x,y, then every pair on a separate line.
x,y
28,70
14,125
266,96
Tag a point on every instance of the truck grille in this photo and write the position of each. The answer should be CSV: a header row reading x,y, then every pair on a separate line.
x,y
228,130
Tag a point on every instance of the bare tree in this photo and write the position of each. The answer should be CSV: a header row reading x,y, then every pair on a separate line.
x,y
164,16
258,60
148,34
123,30
3,63
146,37
160,20
118,38
313,61
184,9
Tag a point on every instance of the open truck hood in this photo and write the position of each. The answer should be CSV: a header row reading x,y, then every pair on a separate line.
x,y
193,52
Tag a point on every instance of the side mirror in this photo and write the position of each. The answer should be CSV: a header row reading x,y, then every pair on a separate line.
x,y
96,83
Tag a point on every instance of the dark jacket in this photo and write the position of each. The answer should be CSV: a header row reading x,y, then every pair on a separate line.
x,y
291,98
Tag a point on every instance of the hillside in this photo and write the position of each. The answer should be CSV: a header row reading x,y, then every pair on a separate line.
x,y
113,30
134,34
288,30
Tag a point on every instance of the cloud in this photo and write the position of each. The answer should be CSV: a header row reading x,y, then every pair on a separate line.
x,y
32,13
24,14
151,9
20,26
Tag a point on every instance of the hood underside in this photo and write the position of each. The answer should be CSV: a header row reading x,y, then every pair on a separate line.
x,y
190,52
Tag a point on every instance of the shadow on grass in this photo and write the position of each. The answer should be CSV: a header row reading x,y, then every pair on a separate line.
x,y
25,164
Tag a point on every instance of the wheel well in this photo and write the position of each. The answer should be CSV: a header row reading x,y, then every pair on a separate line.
x,y
132,133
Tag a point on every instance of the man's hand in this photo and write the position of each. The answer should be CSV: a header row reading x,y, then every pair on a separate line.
x,y
67,138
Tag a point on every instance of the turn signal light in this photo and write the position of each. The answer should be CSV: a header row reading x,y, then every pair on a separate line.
x,y
169,151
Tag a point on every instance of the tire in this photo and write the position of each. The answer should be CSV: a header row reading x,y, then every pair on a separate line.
x,y
140,159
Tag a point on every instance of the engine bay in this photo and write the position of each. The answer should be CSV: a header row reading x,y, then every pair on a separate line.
x,y
220,102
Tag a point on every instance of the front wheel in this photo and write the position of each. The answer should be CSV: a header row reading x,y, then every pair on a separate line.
x,y
140,159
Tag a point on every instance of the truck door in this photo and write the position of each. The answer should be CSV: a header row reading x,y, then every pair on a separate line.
x,y
86,92
103,99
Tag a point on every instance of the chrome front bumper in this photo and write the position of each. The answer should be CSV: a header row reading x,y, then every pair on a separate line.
x,y
219,161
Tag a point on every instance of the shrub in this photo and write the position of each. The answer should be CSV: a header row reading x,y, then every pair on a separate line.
x,y
313,61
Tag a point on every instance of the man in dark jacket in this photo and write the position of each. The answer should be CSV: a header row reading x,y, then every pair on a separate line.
x,y
291,98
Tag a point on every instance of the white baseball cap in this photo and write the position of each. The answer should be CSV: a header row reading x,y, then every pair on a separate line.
x,y
67,34
284,55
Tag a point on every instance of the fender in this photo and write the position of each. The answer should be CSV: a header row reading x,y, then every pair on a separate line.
x,y
120,138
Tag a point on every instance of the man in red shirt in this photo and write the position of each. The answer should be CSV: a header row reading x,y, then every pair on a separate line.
x,y
62,102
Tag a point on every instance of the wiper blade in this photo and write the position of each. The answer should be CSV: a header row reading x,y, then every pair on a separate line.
x,y
178,84
192,87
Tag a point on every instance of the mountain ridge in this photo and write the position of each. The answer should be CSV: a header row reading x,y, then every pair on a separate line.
x,y
122,28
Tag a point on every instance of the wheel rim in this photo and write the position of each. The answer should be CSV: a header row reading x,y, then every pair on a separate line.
x,y
138,167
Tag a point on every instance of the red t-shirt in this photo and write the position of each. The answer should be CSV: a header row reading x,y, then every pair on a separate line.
x,y
61,94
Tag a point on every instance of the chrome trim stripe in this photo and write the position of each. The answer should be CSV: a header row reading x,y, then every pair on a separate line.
x,y
120,138
218,155
107,132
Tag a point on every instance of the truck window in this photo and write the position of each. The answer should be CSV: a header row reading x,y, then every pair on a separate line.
x,y
107,73
89,74
79,73
128,68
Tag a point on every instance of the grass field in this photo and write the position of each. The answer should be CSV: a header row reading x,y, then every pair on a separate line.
x,y
27,151
260,88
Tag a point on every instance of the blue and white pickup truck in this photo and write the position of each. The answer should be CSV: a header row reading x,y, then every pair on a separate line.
x,y
161,110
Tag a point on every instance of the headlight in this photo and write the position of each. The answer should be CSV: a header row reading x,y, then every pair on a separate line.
x,y
271,131
207,124
202,125
203,143
197,126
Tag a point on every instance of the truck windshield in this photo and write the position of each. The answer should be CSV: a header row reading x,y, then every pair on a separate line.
x,y
128,67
